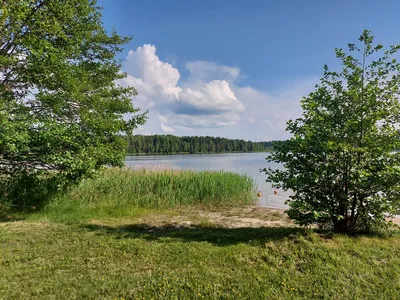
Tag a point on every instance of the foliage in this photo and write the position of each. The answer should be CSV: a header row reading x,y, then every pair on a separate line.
x,y
60,106
157,144
134,259
26,192
340,162
117,192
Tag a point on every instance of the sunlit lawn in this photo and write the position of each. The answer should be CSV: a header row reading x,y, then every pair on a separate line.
x,y
151,255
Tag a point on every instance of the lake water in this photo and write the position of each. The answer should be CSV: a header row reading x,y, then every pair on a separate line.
x,y
242,163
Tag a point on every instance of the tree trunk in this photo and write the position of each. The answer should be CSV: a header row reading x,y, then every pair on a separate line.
x,y
340,226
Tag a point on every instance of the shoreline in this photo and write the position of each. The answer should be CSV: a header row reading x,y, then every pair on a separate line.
x,y
198,153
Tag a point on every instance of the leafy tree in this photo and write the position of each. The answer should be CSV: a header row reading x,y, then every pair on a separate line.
x,y
340,162
192,144
60,105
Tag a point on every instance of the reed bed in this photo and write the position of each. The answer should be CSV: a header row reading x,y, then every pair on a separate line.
x,y
118,191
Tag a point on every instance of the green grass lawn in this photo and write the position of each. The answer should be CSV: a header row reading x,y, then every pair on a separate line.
x,y
191,253
170,234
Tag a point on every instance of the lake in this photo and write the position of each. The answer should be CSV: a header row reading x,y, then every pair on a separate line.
x,y
242,163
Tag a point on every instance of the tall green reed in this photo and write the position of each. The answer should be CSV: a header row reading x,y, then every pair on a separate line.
x,y
117,191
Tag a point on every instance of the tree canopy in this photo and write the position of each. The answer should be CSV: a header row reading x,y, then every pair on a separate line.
x,y
339,162
165,144
61,107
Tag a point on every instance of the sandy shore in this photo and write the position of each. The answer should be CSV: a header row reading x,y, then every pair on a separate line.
x,y
252,216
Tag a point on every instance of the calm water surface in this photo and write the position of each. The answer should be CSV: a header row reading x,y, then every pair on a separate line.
x,y
242,163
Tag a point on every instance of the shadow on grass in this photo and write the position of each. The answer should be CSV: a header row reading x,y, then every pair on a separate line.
x,y
10,217
216,235
26,193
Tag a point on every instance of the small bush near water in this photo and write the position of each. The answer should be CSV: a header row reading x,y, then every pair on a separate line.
x,y
118,192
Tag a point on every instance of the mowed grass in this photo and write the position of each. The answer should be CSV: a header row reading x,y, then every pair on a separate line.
x,y
135,260
172,234
126,192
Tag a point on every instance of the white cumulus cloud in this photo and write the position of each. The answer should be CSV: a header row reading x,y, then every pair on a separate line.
x,y
209,101
167,129
213,98
206,71
145,64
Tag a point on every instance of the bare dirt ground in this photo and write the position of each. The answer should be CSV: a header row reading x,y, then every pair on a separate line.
x,y
227,217
235,217
248,216
396,220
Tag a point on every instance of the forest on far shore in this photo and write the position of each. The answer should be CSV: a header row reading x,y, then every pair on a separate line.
x,y
168,144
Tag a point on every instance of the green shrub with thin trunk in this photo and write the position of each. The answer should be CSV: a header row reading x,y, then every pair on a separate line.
x,y
339,162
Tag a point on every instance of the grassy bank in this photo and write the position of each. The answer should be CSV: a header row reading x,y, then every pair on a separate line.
x,y
194,254
124,192
170,234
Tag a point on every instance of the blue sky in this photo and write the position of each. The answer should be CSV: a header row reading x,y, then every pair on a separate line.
x,y
236,68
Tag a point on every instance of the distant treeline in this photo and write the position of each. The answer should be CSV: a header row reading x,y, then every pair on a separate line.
x,y
166,144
